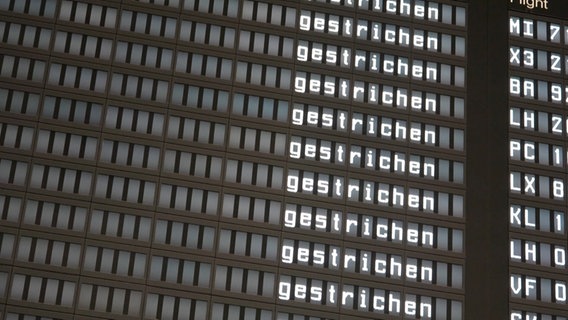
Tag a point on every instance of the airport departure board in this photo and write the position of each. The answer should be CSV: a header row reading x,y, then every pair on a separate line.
x,y
265,159
538,60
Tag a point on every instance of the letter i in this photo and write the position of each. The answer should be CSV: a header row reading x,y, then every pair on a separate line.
x,y
371,125
368,191
363,299
365,262
367,226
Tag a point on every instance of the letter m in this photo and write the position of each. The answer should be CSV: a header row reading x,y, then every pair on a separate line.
x,y
514,25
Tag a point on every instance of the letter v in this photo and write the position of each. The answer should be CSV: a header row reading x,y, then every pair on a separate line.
x,y
519,287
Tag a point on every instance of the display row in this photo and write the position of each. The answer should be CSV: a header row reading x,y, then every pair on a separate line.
x,y
431,11
381,160
368,229
529,217
377,32
537,185
184,228
541,30
546,61
538,253
538,91
538,288
387,193
538,121
364,298
374,62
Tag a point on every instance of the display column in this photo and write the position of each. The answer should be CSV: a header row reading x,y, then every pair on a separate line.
x,y
537,160
486,174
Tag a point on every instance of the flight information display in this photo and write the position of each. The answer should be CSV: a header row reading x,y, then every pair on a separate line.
x,y
375,160
368,98
250,159
538,165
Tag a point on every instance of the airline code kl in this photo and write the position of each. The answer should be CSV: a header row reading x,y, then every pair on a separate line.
x,y
531,4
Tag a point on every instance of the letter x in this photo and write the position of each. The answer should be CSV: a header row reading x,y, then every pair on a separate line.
x,y
530,184
515,55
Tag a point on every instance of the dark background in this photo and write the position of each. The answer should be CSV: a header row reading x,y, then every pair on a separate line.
x,y
556,8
